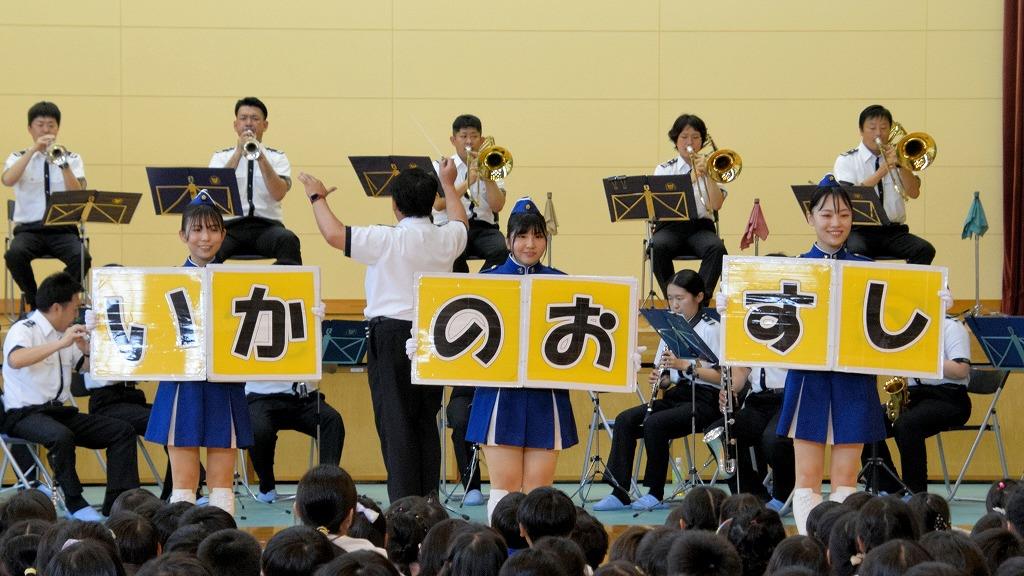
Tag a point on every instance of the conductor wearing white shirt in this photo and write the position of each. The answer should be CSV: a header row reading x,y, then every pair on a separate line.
x,y
262,183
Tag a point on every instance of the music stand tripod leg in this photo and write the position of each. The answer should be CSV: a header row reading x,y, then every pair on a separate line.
x,y
869,474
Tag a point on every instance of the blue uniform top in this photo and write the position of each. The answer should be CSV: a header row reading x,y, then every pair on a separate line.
x,y
524,417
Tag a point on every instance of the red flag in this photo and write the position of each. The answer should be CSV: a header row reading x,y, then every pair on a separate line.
x,y
756,226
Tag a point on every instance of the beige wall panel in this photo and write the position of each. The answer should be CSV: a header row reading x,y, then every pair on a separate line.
x,y
92,65
340,277
107,177
63,13
89,125
154,249
958,256
586,65
598,255
325,132
947,194
259,14
189,62
177,131
957,15
965,64
968,133
768,65
792,15
528,15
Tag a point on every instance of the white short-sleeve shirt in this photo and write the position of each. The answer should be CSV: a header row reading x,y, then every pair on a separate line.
x,y
395,254
857,165
679,167
957,346
774,378
272,387
709,331
263,203
475,198
30,191
44,381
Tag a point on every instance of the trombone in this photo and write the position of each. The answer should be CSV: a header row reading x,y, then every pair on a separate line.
x,y
723,166
493,162
915,152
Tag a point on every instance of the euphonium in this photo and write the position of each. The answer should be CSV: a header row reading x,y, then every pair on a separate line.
x,y
716,441
251,148
493,162
57,155
896,387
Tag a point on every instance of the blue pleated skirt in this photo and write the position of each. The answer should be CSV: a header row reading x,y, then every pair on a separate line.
x,y
831,408
208,414
522,417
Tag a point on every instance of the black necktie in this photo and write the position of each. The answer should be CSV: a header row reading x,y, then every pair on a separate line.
x,y
46,178
881,193
248,189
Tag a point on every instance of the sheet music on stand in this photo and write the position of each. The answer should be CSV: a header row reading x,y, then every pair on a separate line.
x,y
376,173
678,335
867,206
173,188
79,206
1001,338
661,198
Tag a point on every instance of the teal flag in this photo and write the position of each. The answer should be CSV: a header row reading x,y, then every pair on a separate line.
x,y
976,222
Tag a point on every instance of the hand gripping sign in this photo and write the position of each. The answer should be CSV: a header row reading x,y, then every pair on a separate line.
x,y
848,316
219,323
525,331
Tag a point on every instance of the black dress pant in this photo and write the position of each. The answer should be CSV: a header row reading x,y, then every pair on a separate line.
x,y
696,237
758,446
484,241
669,419
33,240
61,428
255,235
270,413
405,414
460,401
894,240
931,409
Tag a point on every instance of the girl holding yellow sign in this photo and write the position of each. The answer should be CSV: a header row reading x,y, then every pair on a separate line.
x,y
828,408
521,430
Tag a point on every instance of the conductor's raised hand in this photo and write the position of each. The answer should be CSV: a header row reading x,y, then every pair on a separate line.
x,y
447,171
314,186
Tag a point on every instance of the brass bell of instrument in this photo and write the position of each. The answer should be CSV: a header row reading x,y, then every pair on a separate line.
x,y
896,388
493,162
57,155
715,439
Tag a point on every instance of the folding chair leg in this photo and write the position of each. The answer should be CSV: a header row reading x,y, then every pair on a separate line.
x,y
989,418
149,462
242,473
999,444
942,462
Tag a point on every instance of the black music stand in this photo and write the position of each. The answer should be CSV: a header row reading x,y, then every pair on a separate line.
x,y
1002,340
76,207
654,199
376,173
681,339
344,342
867,206
173,188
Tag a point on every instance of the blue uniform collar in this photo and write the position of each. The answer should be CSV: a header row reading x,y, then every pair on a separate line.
x,y
816,252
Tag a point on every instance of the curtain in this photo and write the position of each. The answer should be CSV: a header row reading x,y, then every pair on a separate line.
x,y
1013,158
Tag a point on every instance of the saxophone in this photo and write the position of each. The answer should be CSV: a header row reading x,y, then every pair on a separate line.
x,y
896,387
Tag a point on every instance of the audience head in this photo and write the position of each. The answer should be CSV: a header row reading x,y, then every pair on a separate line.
x,y
174,564
296,551
931,512
530,562
60,532
1011,567
989,521
737,504
702,553
231,552
857,499
360,563
505,519
1015,512
801,551
84,558
933,568
652,551
26,505
885,518
19,545
591,536
999,494
408,519
375,530
825,523
700,509
326,497
434,549
131,500
475,551
625,546
570,555
843,553
165,520
618,568
136,538
998,545
544,512
817,513
755,533
187,538
893,558
955,549
209,517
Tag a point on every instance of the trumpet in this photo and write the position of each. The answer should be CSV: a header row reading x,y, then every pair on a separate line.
x,y
57,154
493,162
251,148
896,388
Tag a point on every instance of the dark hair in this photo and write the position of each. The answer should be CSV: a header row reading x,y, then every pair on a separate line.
x,y
691,120
624,547
408,523
893,558
254,102
755,533
817,513
885,518
842,544
19,545
822,194
531,562
934,568
466,121
931,511
58,533
475,552
873,111
736,504
700,509
325,496
618,568
826,521
1011,567
43,109
798,551
136,538
174,564
166,519
413,191
570,555
26,505
955,549
359,563
526,223
652,551
209,517
434,548
131,500
795,571
857,500
200,214
1015,512
361,527
999,494
690,281
84,558
997,545
187,538
702,553
296,551
231,552
505,520
592,537
57,288
546,511
987,522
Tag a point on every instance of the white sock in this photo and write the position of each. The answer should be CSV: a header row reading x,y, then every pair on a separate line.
x,y
804,500
183,496
223,498
495,496
839,493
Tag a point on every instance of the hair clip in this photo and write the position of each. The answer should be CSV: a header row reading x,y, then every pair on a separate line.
x,y
1002,485
856,559
30,571
370,514
323,530
69,542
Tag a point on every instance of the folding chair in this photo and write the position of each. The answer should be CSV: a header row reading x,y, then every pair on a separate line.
x,y
242,471
989,382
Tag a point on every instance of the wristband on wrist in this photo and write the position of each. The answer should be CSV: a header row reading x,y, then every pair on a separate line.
x,y
314,197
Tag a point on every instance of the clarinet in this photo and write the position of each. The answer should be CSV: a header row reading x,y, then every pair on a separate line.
x,y
662,373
